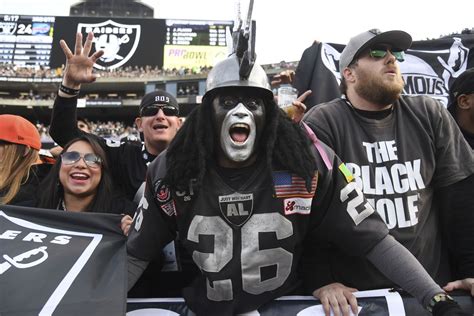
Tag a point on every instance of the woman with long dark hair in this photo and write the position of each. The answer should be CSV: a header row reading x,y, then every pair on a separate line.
x,y
80,181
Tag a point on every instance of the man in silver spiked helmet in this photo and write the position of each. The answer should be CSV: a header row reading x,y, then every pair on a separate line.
x,y
215,185
237,90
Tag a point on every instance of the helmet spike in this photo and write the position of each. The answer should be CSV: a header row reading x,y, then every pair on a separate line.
x,y
239,69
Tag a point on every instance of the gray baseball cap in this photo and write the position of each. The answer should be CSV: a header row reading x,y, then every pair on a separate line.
x,y
397,39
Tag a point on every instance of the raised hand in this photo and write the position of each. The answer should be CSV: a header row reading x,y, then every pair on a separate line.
x,y
300,107
79,65
284,77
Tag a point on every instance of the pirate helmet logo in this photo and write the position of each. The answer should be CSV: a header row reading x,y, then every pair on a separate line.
x,y
118,41
8,28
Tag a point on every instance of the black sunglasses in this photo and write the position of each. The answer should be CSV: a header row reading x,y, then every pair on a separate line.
x,y
152,110
71,157
382,52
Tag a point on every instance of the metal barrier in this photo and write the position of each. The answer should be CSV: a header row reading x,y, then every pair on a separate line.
x,y
373,303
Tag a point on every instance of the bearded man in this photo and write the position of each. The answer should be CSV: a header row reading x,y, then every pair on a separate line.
x,y
401,150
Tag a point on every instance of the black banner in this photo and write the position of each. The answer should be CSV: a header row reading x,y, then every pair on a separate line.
x,y
61,263
429,68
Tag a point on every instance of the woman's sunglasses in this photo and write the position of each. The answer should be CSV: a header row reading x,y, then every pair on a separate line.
x,y
152,110
382,52
71,157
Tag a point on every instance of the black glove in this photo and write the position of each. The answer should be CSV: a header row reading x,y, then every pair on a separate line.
x,y
448,308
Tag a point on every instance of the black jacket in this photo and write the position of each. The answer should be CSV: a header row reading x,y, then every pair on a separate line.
x,y
26,196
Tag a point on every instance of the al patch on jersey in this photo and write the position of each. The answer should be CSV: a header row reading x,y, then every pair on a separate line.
x,y
236,207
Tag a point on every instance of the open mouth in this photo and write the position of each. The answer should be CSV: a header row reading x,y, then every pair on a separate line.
x,y
79,176
239,133
159,126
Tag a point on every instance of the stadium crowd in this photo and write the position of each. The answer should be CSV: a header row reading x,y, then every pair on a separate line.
x,y
8,70
114,130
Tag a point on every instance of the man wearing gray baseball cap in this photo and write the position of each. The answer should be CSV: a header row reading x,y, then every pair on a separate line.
x,y
403,151
400,40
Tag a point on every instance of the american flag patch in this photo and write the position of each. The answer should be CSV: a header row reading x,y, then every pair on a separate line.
x,y
289,185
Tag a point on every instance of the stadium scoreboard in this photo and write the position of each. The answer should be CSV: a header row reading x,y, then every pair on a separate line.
x,y
195,43
26,40
32,41
206,33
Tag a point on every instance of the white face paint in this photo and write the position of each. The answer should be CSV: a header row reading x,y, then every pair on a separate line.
x,y
238,146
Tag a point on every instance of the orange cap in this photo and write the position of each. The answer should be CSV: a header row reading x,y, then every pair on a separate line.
x,y
15,129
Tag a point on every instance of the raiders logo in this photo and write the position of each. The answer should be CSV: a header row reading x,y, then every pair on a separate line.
x,y
236,207
162,192
29,250
118,41
8,28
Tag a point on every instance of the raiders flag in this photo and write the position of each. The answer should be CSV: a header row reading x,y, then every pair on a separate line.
x,y
429,68
61,263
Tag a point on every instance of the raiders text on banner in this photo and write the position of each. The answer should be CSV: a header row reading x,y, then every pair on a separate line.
x,y
61,263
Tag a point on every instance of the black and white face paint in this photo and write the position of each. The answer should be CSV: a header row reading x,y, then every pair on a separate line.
x,y
239,121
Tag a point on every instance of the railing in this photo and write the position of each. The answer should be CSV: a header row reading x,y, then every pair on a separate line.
x,y
373,303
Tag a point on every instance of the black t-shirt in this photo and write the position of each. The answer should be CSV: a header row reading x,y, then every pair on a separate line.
x,y
398,161
118,205
247,236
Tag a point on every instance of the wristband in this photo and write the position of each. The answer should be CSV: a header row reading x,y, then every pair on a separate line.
x,y
441,297
67,90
